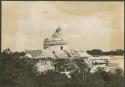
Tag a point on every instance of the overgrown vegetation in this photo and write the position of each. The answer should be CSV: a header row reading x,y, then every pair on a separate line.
x,y
18,71
118,52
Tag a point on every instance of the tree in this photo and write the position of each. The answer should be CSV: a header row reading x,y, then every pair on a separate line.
x,y
95,52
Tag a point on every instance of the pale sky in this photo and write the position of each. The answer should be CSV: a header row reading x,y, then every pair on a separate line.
x,y
86,25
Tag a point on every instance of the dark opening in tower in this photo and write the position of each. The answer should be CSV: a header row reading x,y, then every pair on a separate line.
x,y
61,47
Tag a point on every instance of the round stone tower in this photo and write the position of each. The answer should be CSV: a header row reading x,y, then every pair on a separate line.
x,y
57,40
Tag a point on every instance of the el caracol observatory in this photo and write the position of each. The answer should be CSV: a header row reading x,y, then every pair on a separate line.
x,y
56,47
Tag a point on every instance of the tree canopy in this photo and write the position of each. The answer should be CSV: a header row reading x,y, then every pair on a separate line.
x,y
118,52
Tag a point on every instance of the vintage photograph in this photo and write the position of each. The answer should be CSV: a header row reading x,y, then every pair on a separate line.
x,y
62,44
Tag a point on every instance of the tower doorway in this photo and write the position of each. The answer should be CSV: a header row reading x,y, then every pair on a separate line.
x,y
61,47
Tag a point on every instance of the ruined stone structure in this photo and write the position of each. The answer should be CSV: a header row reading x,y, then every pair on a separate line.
x,y
57,40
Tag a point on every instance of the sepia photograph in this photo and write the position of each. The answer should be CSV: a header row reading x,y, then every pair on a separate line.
x,y
62,44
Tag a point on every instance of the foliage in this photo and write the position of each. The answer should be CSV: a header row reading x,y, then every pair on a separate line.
x,y
18,71
100,52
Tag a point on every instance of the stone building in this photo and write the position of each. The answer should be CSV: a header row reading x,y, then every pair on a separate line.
x,y
56,47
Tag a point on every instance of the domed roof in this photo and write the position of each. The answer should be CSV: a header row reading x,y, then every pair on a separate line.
x,y
57,33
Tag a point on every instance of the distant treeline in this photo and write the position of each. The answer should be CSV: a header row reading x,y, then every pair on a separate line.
x,y
119,52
